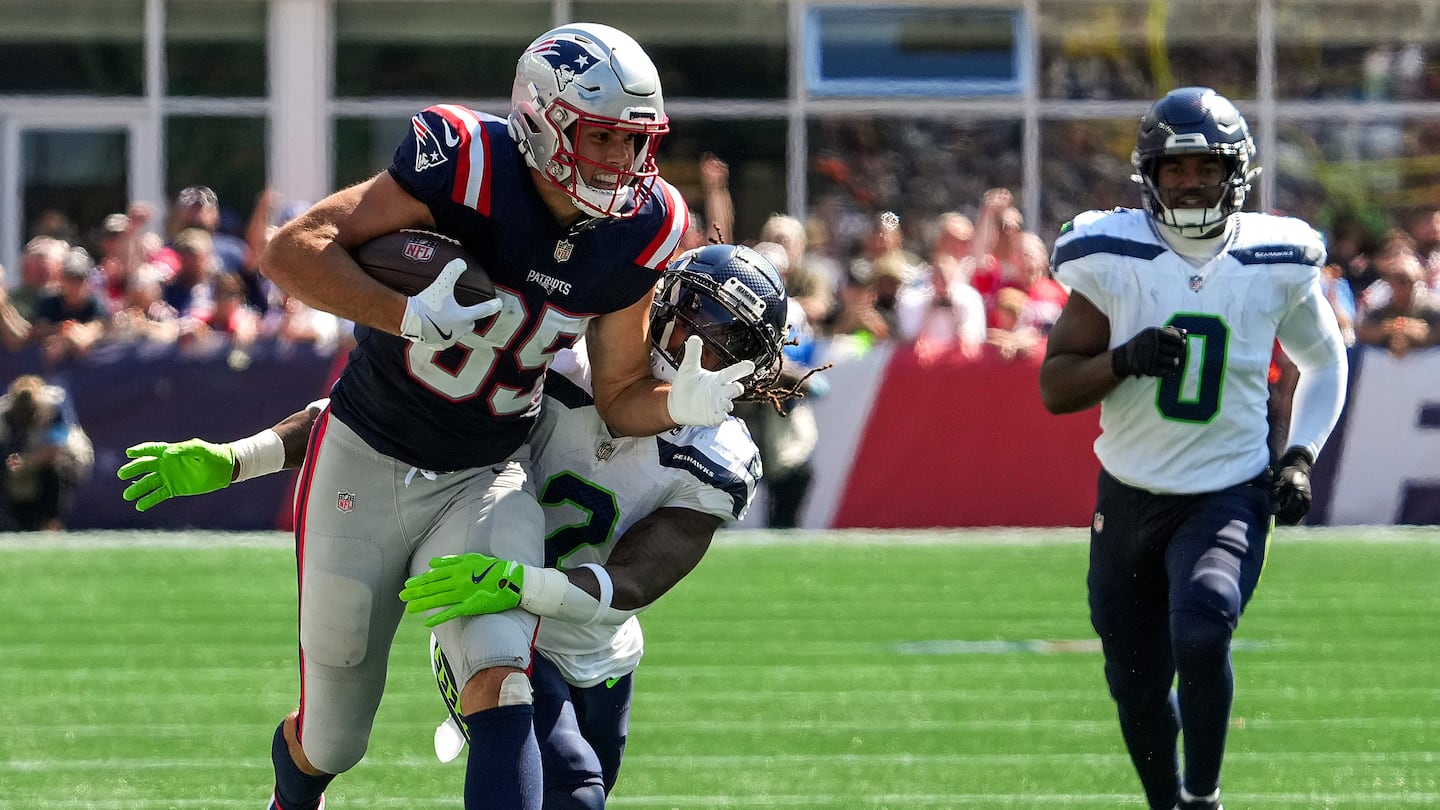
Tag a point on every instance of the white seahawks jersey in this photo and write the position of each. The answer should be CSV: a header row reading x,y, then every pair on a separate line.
x,y
594,486
1204,428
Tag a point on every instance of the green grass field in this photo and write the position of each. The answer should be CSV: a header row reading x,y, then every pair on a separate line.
x,y
803,670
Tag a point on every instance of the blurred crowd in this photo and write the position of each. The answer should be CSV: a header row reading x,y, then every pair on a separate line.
x,y
127,278
965,284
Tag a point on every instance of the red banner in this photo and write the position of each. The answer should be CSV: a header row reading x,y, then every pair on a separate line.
x,y
968,443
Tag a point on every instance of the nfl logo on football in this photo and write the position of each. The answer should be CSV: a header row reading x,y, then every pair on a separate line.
x,y
419,250
345,501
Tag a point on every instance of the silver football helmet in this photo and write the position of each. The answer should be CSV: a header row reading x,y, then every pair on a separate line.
x,y
588,75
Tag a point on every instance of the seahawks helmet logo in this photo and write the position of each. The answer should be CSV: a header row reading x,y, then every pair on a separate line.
x,y
568,58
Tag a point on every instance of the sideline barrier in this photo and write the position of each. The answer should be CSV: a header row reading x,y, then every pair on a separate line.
x,y
902,445
126,393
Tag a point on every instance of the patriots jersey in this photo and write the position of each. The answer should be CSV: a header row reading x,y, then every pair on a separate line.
x,y
475,403
594,486
1204,428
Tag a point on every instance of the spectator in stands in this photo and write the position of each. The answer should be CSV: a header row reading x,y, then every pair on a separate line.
x,y
1044,296
719,208
809,279
1410,317
953,319
291,321
997,247
199,207
119,254
855,324
1393,262
14,328
40,267
787,437
47,455
144,315
1011,337
229,319
189,292
55,224
885,239
1342,300
1424,228
68,322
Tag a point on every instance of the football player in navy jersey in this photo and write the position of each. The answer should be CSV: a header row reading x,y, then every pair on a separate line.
x,y
650,508
426,454
1169,328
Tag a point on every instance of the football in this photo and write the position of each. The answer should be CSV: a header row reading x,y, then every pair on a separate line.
x,y
408,260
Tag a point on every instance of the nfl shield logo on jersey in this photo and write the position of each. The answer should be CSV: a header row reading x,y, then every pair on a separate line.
x,y
1196,282
345,501
563,249
419,250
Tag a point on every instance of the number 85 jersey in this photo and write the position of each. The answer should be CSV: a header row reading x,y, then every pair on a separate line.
x,y
1205,427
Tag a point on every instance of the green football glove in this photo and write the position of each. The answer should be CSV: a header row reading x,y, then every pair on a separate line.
x,y
169,469
468,584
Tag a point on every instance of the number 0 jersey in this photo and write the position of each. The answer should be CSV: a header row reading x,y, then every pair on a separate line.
x,y
1204,428
593,487
474,403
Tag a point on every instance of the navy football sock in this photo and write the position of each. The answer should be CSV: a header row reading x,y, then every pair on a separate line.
x,y
294,789
1150,729
503,768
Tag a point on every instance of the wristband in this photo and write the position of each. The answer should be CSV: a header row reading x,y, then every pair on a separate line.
x,y
548,592
258,455
607,587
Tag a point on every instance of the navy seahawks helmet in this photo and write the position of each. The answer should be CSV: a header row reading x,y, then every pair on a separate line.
x,y
1191,121
733,298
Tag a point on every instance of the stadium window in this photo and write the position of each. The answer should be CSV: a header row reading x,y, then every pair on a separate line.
x,y
915,51
432,49
72,47
1386,53
747,41
215,49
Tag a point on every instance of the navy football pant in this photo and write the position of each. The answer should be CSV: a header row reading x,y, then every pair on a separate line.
x,y
1169,577
582,733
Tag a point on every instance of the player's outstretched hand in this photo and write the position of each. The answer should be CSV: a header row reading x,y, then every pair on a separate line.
x,y
467,584
1154,352
701,397
168,469
1290,491
435,319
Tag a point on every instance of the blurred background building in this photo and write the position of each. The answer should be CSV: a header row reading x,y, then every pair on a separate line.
x,y
827,110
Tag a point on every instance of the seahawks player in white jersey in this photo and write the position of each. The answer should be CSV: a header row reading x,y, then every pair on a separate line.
x,y
1174,314
626,519
645,508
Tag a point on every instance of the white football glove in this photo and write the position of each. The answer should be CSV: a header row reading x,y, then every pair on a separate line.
x,y
701,397
435,319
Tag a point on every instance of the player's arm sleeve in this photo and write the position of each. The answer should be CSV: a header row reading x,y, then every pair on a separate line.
x,y
1311,337
653,554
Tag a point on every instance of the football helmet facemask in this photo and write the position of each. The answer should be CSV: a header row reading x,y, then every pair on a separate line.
x,y
733,298
582,76
1194,121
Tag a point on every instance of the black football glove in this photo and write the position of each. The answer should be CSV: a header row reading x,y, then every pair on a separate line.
x,y
1290,490
1154,352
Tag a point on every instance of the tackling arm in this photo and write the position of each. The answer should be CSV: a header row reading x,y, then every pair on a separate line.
x,y
163,470
647,561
